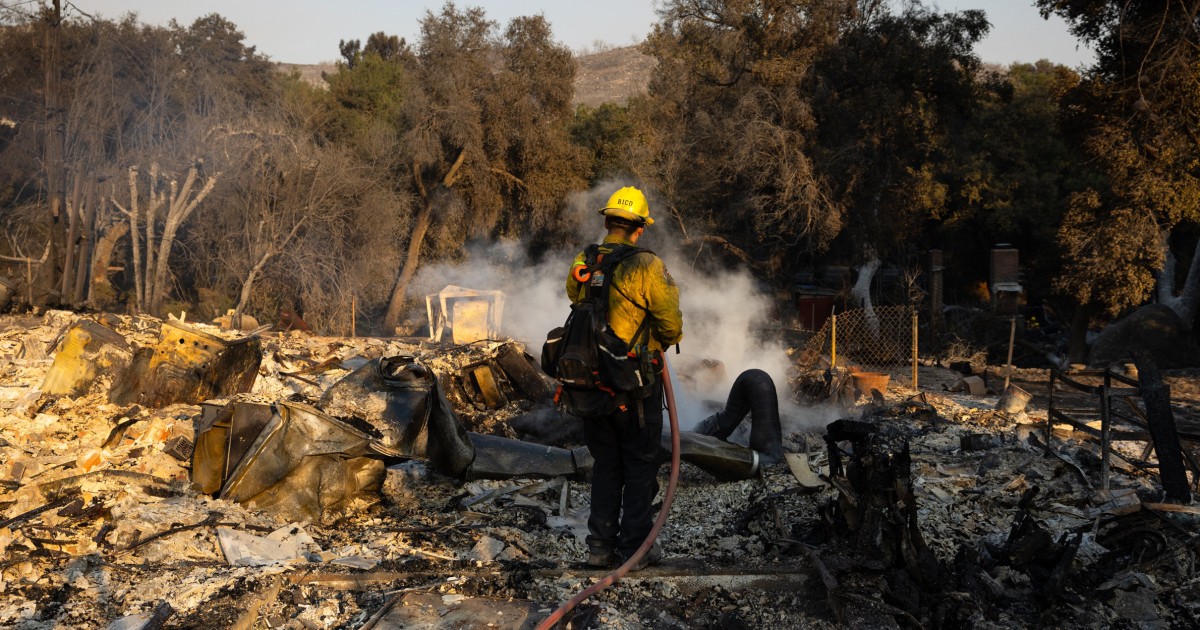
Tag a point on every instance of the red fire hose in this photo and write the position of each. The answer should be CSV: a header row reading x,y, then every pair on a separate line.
x,y
612,578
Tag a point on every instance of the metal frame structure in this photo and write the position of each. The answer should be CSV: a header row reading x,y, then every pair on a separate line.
x,y
1115,388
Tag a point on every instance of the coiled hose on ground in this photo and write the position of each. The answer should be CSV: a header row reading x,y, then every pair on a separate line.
x,y
612,578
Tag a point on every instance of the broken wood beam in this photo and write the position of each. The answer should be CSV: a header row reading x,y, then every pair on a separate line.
x,y
352,581
1172,507
162,612
211,520
24,516
246,621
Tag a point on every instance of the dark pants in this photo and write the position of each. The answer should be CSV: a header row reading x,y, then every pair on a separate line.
x,y
625,474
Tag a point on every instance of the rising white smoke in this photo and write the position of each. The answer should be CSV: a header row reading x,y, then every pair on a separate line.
x,y
726,317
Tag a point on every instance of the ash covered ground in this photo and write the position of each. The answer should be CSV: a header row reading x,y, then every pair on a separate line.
x,y
99,524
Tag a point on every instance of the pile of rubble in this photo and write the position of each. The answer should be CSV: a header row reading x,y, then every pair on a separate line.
x,y
147,481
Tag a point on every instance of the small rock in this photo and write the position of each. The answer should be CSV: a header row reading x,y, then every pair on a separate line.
x,y
486,549
978,442
990,462
1135,605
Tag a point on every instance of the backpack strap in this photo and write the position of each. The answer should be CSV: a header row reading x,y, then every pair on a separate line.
x,y
607,264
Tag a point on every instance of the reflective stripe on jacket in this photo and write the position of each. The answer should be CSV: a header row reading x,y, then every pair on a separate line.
x,y
643,278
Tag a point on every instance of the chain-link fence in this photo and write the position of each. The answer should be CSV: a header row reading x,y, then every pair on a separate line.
x,y
882,336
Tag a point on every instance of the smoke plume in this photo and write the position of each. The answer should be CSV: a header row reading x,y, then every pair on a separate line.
x,y
726,316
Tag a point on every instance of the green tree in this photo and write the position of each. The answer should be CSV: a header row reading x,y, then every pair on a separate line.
x,y
727,133
1135,116
894,97
527,122
782,126
367,90
1011,175
222,73
380,44
442,141
604,133
484,136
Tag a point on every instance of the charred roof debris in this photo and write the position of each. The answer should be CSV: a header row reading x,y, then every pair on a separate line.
x,y
165,474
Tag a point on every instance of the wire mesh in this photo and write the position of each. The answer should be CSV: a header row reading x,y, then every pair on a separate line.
x,y
881,336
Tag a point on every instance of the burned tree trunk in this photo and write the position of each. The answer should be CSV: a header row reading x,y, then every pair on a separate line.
x,y
1161,423
74,207
86,243
1164,278
424,220
101,292
150,273
271,247
133,212
1077,349
411,258
1186,302
54,149
862,289
877,509
179,208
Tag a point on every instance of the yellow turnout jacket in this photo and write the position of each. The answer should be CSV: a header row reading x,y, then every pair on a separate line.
x,y
643,278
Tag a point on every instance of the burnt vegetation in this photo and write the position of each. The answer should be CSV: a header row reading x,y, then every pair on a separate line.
x,y
834,144
154,169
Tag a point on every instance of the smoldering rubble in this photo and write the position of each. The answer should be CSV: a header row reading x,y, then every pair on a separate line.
x,y
165,474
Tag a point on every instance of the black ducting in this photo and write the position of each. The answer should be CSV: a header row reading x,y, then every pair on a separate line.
x,y
403,403
721,459
501,458
753,393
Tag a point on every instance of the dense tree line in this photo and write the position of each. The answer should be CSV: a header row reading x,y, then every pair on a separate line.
x,y
155,168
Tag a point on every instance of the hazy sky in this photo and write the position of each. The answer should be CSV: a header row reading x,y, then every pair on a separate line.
x,y
307,31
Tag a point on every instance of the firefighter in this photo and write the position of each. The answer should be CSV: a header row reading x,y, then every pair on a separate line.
x,y
625,444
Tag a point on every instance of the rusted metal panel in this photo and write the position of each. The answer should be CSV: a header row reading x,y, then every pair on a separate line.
x,y
189,366
87,350
301,464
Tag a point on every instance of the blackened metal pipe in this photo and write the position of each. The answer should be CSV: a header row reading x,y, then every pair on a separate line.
x,y
753,393
724,460
501,458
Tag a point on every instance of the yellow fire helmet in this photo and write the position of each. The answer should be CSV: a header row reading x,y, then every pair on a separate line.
x,y
628,203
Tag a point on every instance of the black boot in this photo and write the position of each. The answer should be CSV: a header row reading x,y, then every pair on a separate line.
x,y
653,556
600,555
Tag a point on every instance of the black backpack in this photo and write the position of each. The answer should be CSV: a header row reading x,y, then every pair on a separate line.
x,y
598,370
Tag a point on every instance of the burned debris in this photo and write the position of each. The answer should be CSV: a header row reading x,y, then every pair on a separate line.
x,y
276,480
184,365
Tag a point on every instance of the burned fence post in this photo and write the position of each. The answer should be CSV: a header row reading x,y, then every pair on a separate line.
x,y
1050,408
1161,423
915,327
1105,431
833,340
1012,336
936,271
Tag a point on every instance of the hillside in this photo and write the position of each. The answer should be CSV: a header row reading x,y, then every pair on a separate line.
x,y
612,75
309,73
